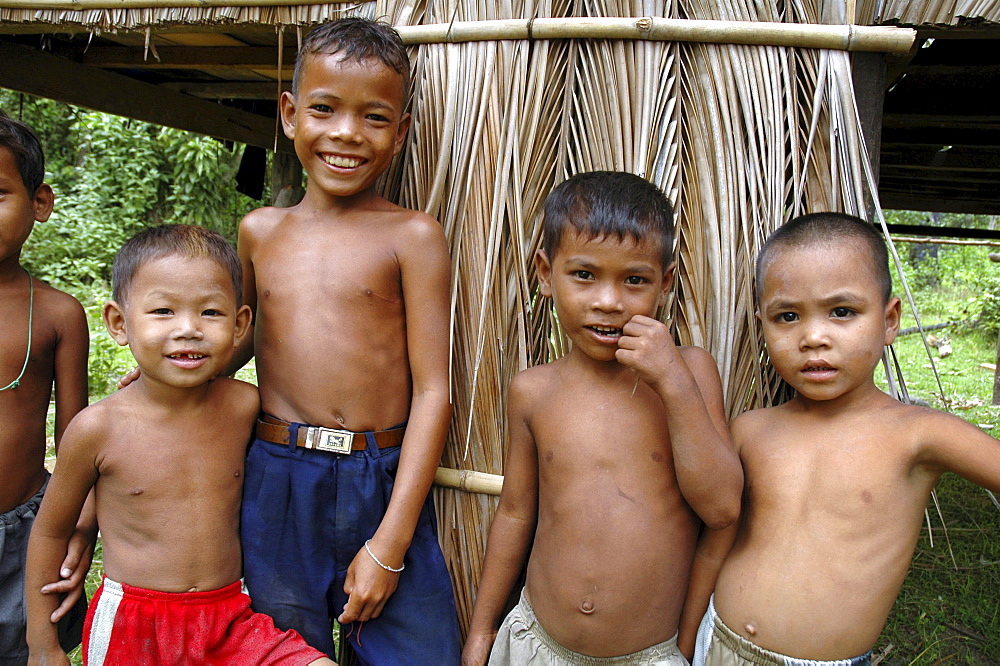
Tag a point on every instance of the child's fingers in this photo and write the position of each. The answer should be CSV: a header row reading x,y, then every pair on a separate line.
x,y
66,605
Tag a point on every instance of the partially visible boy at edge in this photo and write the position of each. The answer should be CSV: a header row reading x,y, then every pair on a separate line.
x,y
838,477
44,341
617,451
165,459
350,295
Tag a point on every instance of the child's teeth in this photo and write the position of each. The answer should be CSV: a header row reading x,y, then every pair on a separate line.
x,y
341,161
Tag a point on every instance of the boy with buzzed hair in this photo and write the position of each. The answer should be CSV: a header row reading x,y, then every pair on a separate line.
x,y
43,341
165,459
351,301
617,451
838,477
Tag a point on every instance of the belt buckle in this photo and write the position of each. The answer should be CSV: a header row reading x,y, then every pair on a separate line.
x,y
333,441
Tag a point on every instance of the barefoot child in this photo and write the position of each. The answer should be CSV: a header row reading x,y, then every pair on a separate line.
x,y
350,295
43,340
165,457
838,477
617,451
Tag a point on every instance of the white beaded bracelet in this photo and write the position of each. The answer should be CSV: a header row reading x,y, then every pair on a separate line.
x,y
379,562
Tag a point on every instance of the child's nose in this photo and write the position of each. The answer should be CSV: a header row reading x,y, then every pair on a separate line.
x,y
188,328
607,298
814,334
344,127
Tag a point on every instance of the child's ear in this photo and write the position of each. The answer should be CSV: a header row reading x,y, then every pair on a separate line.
x,y
42,202
892,314
287,107
114,319
243,317
544,268
404,127
668,282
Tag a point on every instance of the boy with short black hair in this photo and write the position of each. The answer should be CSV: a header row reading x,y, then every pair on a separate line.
x,y
43,341
165,459
617,451
838,477
351,300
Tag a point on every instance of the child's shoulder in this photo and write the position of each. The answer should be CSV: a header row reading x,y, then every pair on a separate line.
x,y
536,382
57,307
237,396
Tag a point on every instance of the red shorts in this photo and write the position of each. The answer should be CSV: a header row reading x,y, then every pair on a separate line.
x,y
132,625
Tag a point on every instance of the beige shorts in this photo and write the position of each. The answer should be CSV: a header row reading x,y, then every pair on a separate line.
x,y
718,645
522,641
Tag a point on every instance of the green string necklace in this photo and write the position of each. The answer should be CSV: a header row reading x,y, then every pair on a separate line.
x,y
31,311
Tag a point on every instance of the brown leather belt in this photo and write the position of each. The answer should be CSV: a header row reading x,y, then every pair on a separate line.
x,y
277,431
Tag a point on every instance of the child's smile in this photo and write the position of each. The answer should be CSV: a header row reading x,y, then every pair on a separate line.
x,y
599,284
347,122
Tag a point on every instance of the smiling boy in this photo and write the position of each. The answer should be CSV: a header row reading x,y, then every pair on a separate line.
x,y
165,459
617,451
838,477
350,295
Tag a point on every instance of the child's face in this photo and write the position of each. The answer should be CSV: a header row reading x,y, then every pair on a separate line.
x,y
180,320
599,284
824,321
19,209
347,122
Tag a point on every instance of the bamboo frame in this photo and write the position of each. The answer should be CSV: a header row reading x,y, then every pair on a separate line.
x,y
469,481
886,39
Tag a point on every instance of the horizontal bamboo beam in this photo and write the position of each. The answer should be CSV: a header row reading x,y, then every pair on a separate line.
x,y
469,481
840,37
807,35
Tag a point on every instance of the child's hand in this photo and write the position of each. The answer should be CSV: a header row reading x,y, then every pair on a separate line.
x,y
477,649
128,378
73,571
54,658
368,587
647,347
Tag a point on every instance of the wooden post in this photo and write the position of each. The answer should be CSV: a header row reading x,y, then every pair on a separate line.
x,y
286,180
869,72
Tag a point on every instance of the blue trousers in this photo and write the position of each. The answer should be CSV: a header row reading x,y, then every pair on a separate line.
x,y
306,514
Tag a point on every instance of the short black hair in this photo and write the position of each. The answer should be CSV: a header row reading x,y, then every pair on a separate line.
x,y
21,141
609,203
357,40
822,229
186,240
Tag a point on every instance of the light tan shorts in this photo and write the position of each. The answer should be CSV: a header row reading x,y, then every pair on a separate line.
x,y
522,641
718,645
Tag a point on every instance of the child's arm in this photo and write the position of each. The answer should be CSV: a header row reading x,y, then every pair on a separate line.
x,y
426,278
75,475
245,244
713,547
952,444
511,531
708,470
71,389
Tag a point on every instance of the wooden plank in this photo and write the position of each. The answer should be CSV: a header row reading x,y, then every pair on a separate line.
x,y
187,57
258,90
31,71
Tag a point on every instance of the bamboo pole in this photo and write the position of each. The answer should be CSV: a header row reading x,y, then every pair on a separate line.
x,y
886,39
469,481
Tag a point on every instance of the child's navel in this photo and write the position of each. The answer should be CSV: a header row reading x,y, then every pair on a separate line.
x,y
135,491
587,607
751,628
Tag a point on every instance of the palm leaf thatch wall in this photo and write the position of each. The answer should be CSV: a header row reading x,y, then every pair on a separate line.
x,y
740,137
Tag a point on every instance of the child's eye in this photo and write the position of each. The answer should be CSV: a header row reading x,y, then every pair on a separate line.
x,y
321,108
211,313
162,311
377,118
787,317
842,312
583,275
635,280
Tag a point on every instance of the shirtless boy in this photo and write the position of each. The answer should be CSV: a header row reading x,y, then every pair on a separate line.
x,y
838,477
165,457
351,301
43,339
617,451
